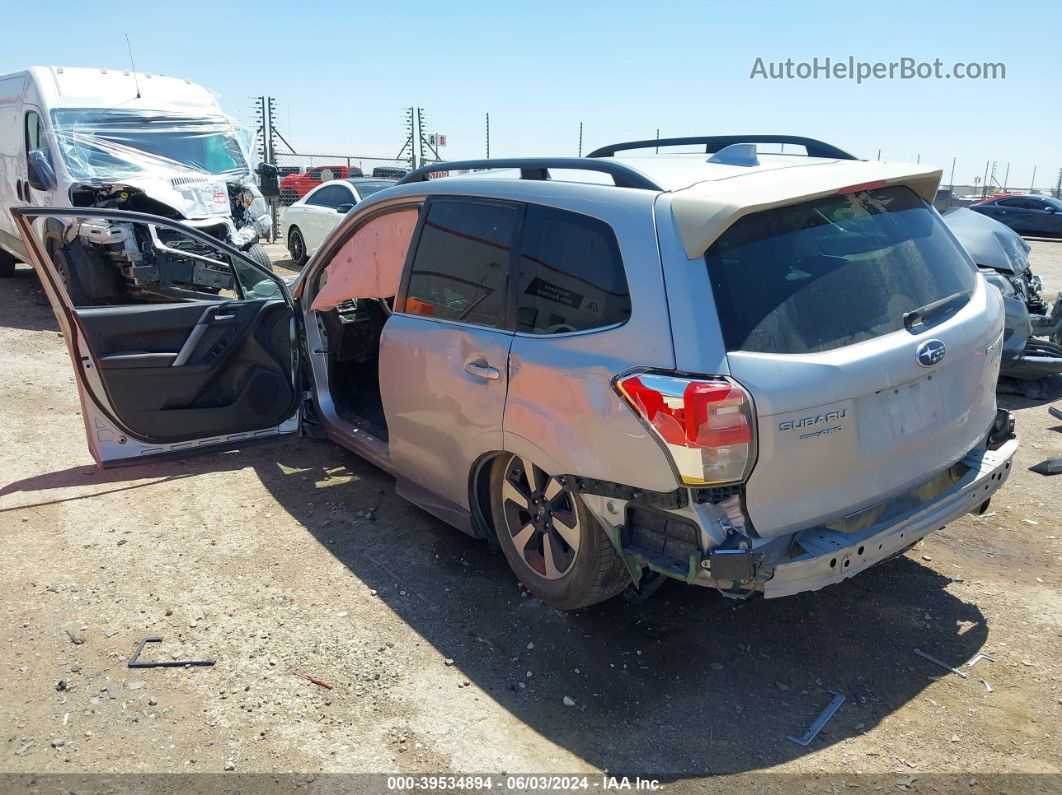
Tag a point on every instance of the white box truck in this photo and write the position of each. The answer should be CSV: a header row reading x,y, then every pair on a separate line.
x,y
87,137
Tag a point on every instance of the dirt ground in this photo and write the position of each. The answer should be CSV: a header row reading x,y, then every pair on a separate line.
x,y
297,558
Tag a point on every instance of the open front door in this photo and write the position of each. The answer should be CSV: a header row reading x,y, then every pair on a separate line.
x,y
179,342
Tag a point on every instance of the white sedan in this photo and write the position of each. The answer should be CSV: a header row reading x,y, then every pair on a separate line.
x,y
309,220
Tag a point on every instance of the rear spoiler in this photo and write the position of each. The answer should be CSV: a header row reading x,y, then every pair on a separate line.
x,y
704,211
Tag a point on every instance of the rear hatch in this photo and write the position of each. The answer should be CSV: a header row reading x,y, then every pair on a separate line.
x,y
868,343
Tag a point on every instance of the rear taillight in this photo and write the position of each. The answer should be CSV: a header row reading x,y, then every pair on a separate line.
x,y
706,424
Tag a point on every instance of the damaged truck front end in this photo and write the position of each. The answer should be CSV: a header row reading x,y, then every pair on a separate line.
x,y
194,170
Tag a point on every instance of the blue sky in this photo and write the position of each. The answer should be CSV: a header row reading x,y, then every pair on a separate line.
x,y
343,71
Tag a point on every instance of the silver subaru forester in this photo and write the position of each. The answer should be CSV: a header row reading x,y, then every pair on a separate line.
x,y
762,373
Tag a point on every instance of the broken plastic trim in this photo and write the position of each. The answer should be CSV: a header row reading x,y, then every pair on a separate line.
x,y
679,498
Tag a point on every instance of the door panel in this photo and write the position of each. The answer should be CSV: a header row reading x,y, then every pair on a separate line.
x,y
444,355
234,375
178,341
443,388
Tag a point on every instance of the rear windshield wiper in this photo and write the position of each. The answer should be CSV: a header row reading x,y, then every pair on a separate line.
x,y
936,310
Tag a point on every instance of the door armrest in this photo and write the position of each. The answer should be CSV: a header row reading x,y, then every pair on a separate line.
x,y
131,360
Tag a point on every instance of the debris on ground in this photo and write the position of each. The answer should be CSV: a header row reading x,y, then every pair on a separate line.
x,y
941,663
1052,466
813,730
313,679
568,701
136,662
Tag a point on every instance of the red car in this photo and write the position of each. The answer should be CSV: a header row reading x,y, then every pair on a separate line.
x,y
294,186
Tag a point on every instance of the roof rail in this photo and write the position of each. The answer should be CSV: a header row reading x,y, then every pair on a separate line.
x,y
713,143
538,168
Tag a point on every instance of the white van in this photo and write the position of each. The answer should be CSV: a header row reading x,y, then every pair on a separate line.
x,y
81,137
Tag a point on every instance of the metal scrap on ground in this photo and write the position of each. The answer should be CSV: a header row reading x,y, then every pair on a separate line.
x,y
136,662
813,730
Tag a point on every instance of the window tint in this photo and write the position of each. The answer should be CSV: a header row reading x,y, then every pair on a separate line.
x,y
570,276
331,196
832,272
459,271
1015,203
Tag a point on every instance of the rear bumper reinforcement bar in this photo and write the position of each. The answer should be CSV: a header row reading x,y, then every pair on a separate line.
x,y
832,556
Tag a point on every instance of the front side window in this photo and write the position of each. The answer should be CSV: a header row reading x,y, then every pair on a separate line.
x,y
111,262
34,132
570,276
832,272
460,268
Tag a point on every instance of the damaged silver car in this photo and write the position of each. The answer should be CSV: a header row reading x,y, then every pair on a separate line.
x,y
1032,339
760,373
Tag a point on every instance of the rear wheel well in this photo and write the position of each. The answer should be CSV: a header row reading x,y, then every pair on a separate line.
x,y
479,497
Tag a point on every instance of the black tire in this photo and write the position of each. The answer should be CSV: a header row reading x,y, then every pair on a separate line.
x,y
7,264
75,291
297,246
258,253
594,573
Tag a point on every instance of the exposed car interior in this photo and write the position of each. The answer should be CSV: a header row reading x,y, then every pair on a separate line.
x,y
353,330
351,299
184,348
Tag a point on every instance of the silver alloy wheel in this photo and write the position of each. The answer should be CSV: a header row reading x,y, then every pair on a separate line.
x,y
541,519
296,246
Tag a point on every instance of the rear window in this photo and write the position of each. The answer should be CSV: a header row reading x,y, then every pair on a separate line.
x,y
832,272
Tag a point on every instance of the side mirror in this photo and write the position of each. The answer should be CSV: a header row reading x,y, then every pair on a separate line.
x,y
343,209
41,175
267,180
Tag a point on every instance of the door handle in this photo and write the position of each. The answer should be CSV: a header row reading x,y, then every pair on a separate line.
x,y
225,317
482,371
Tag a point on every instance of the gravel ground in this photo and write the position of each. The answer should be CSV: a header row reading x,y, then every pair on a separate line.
x,y
298,558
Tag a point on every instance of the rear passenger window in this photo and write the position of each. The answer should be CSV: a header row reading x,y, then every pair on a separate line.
x,y
570,275
459,271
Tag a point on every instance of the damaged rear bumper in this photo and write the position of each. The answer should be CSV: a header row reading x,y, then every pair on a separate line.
x,y
832,556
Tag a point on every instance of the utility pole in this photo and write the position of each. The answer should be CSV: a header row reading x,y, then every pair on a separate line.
x,y
580,139
1058,185
488,136
658,138
879,154
984,182
951,183
411,137
1032,182
265,115
1006,178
